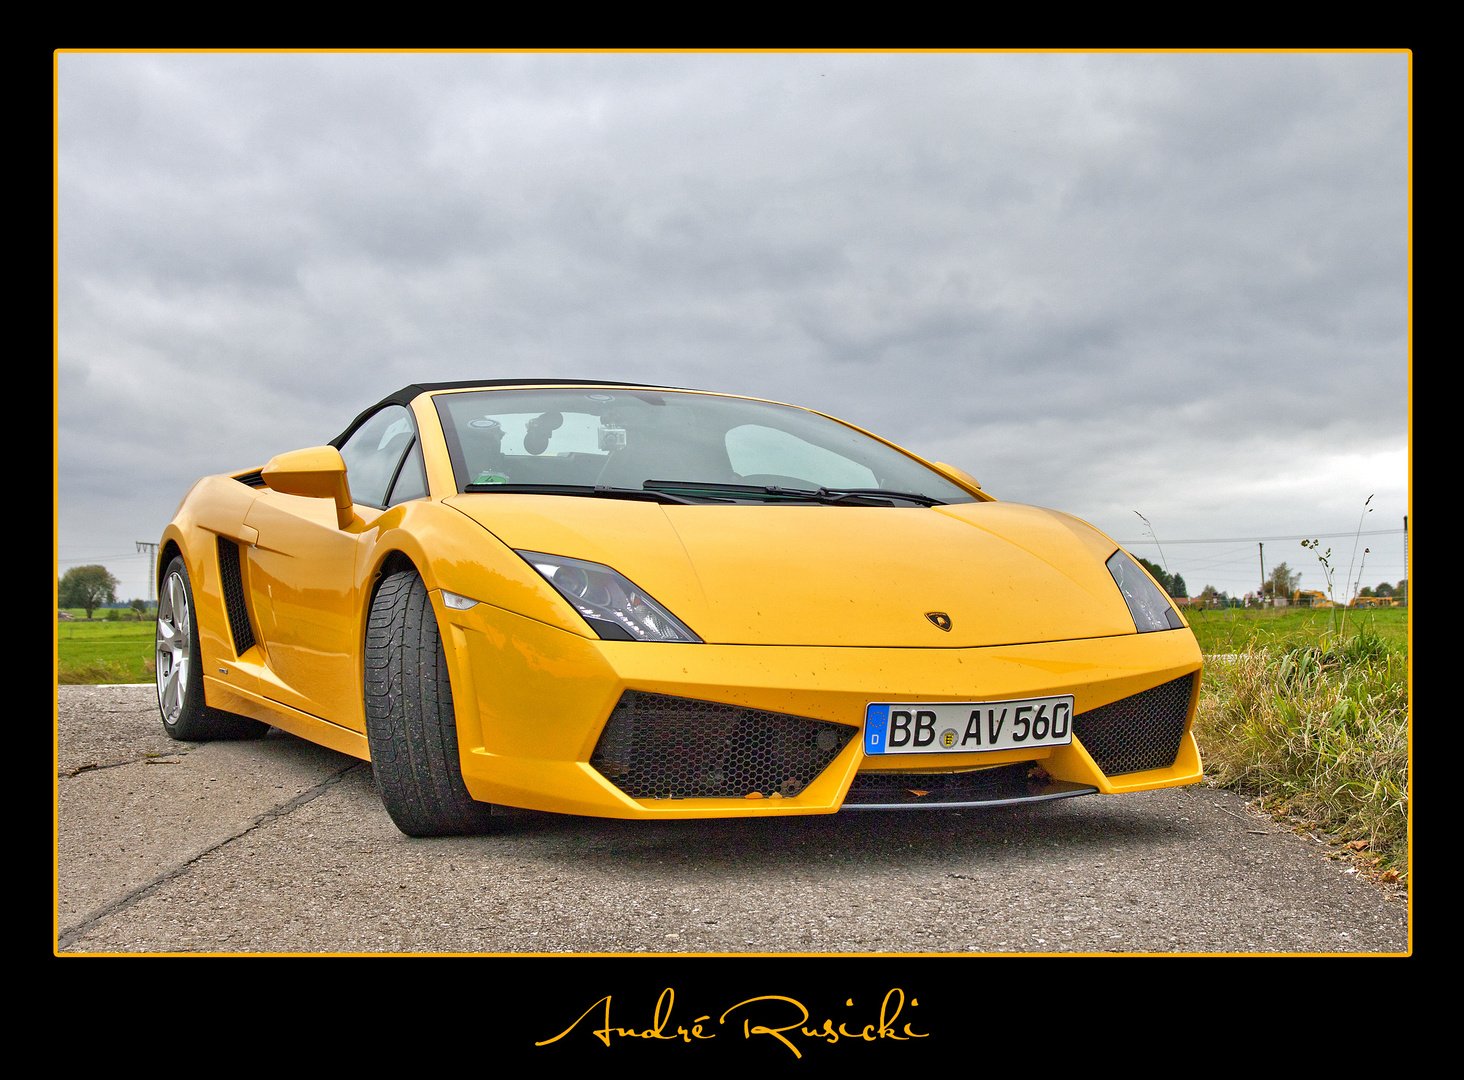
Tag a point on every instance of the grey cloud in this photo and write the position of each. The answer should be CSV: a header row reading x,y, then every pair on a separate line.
x,y
1092,274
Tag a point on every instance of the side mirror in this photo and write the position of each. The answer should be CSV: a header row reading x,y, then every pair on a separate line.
x,y
317,473
960,476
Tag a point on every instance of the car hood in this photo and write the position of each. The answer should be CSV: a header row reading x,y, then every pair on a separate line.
x,y
1002,573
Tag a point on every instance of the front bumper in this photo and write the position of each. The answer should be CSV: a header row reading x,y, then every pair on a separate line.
x,y
533,703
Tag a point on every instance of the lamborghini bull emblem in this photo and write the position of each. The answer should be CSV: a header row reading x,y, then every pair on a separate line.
x,y
940,618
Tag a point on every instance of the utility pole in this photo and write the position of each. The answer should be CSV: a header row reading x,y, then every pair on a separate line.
x,y
1261,595
1405,558
152,551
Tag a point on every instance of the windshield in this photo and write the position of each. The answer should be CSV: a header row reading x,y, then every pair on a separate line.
x,y
621,439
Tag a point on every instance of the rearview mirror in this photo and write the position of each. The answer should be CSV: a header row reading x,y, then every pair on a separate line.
x,y
317,473
960,476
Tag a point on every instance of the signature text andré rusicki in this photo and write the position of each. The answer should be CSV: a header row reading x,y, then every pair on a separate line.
x,y
769,1015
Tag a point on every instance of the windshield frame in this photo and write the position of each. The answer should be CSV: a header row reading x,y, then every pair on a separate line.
x,y
465,484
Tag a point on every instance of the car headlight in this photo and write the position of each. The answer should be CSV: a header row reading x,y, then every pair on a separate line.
x,y
613,606
1147,603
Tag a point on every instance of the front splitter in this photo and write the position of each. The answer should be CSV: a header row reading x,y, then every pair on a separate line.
x,y
1006,785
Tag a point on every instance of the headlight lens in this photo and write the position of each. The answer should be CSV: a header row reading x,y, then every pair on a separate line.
x,y
1147,603
609,602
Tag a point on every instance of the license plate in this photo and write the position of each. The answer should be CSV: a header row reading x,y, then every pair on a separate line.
x,y
961,727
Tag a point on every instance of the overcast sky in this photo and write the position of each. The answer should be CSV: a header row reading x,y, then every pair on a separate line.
x,y
1109,283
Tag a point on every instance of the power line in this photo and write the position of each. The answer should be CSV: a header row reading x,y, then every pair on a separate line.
x,y
1267,539
130,557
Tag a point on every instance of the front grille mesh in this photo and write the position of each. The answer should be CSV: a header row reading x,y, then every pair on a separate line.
x,y
660,747
233,587
1137,733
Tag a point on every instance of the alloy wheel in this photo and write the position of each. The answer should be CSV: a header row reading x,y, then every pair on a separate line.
x,y
174,648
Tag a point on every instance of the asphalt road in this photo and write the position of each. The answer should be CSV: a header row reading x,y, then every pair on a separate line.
x,y
281,846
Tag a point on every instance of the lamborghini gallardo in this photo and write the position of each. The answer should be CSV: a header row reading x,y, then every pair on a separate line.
x,y
632,601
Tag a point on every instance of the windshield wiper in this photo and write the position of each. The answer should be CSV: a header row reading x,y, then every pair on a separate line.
x,y
592,491
700,489
773,493
834,495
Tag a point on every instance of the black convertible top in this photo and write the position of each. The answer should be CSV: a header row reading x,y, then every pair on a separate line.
x,y
405,395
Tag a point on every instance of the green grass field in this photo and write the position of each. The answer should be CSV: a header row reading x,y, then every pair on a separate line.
x,y
1234,630
108,648
105,652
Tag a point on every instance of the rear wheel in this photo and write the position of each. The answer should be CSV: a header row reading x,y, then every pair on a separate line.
x,y
410,723
186,716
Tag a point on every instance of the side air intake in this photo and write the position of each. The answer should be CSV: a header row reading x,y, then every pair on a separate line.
x,y
233,587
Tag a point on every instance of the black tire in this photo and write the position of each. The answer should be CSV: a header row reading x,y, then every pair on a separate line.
x,y
410,724
186,716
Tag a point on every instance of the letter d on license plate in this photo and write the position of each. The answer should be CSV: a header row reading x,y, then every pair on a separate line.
x,y
962,727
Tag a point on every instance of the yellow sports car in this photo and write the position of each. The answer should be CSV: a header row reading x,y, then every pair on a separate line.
x,y
633,601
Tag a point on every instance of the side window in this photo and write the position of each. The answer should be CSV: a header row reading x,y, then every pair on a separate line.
x,y
374,452
411,481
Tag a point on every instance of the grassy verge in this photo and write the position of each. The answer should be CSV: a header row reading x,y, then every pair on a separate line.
x,y
1315,727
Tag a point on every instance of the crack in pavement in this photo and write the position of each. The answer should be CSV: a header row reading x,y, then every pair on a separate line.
x,y
77,931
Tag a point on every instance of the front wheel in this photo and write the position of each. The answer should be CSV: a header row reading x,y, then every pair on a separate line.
x,y
410,723
186,716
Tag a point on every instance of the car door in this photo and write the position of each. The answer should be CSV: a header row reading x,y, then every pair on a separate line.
x,y
302,572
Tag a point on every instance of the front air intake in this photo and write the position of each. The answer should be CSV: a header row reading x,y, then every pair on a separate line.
x,y
659,747
1138,733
